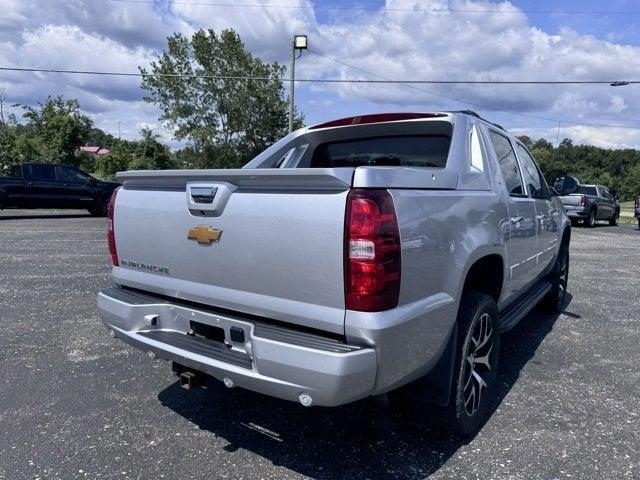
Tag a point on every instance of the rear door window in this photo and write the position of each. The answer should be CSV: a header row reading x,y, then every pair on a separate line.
x,y
403,150
535,182
42,172
508,164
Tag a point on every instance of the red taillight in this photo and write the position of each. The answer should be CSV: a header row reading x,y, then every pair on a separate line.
x,y
111,234
583,200
372,251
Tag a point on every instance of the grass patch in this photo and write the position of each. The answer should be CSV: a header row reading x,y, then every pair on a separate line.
x,y
627,206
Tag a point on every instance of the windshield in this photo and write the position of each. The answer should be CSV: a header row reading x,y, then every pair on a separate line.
x,y
400,150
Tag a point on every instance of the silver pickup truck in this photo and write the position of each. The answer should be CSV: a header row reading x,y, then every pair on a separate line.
x,y
349,259
587,202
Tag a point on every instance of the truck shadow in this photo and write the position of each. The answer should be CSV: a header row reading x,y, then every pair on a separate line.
x,y
362,440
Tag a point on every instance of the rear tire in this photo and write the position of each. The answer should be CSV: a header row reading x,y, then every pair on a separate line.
x,y
559,279
474,375
476,364
590,221
614,221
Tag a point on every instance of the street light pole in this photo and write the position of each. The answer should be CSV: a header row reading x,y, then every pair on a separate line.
x,y
292,87
299,43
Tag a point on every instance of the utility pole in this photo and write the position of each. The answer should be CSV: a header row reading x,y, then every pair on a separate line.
x,y
3,97
299,43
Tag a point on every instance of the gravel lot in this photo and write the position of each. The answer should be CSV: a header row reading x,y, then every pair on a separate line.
x,y
76,404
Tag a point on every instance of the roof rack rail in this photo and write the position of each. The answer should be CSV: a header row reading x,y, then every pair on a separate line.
x,y
475,114
468,112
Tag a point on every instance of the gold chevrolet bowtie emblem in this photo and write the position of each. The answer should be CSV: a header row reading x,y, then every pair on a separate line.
x,y
204,234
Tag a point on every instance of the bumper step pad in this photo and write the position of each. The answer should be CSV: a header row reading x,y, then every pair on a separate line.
x,y
201,346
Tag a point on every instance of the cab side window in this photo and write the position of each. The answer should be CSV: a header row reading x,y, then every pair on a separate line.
x,y
508,164
535,181
42,172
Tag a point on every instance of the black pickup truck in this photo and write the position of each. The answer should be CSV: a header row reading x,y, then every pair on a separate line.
x,y
44,185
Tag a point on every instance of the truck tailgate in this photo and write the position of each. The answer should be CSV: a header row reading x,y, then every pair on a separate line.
x,y
279,251
572,200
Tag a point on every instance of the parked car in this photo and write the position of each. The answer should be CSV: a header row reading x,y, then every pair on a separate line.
x,y
44,185
372,254
587,202
637,210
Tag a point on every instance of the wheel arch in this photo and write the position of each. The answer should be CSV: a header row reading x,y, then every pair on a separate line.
x,y
486,275
436,386
491,258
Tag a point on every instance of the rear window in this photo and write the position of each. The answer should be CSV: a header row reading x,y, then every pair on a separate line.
x,y
587,191
401,150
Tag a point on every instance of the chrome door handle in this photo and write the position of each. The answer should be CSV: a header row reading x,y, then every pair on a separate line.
x,y
516,219
203,194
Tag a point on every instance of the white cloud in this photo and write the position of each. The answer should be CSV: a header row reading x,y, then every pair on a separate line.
x,y
266,31
82,34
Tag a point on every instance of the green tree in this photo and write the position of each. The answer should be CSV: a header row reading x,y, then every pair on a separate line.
x,y
118,159
7,141
226,120
150,154
526,140
59,127
100,138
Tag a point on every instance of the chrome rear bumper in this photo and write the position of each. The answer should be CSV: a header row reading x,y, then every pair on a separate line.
x,y
273,360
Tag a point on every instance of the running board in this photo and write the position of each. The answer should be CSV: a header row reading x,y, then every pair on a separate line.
x,y
510,316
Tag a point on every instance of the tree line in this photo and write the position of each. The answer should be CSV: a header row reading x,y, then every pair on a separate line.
x,y
54,130
618,170
223,121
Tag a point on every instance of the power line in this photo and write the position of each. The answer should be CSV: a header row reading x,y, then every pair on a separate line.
x,y
473,104
382,80
386,9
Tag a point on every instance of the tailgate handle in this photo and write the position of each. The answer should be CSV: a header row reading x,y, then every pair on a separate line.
x,y
203,194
